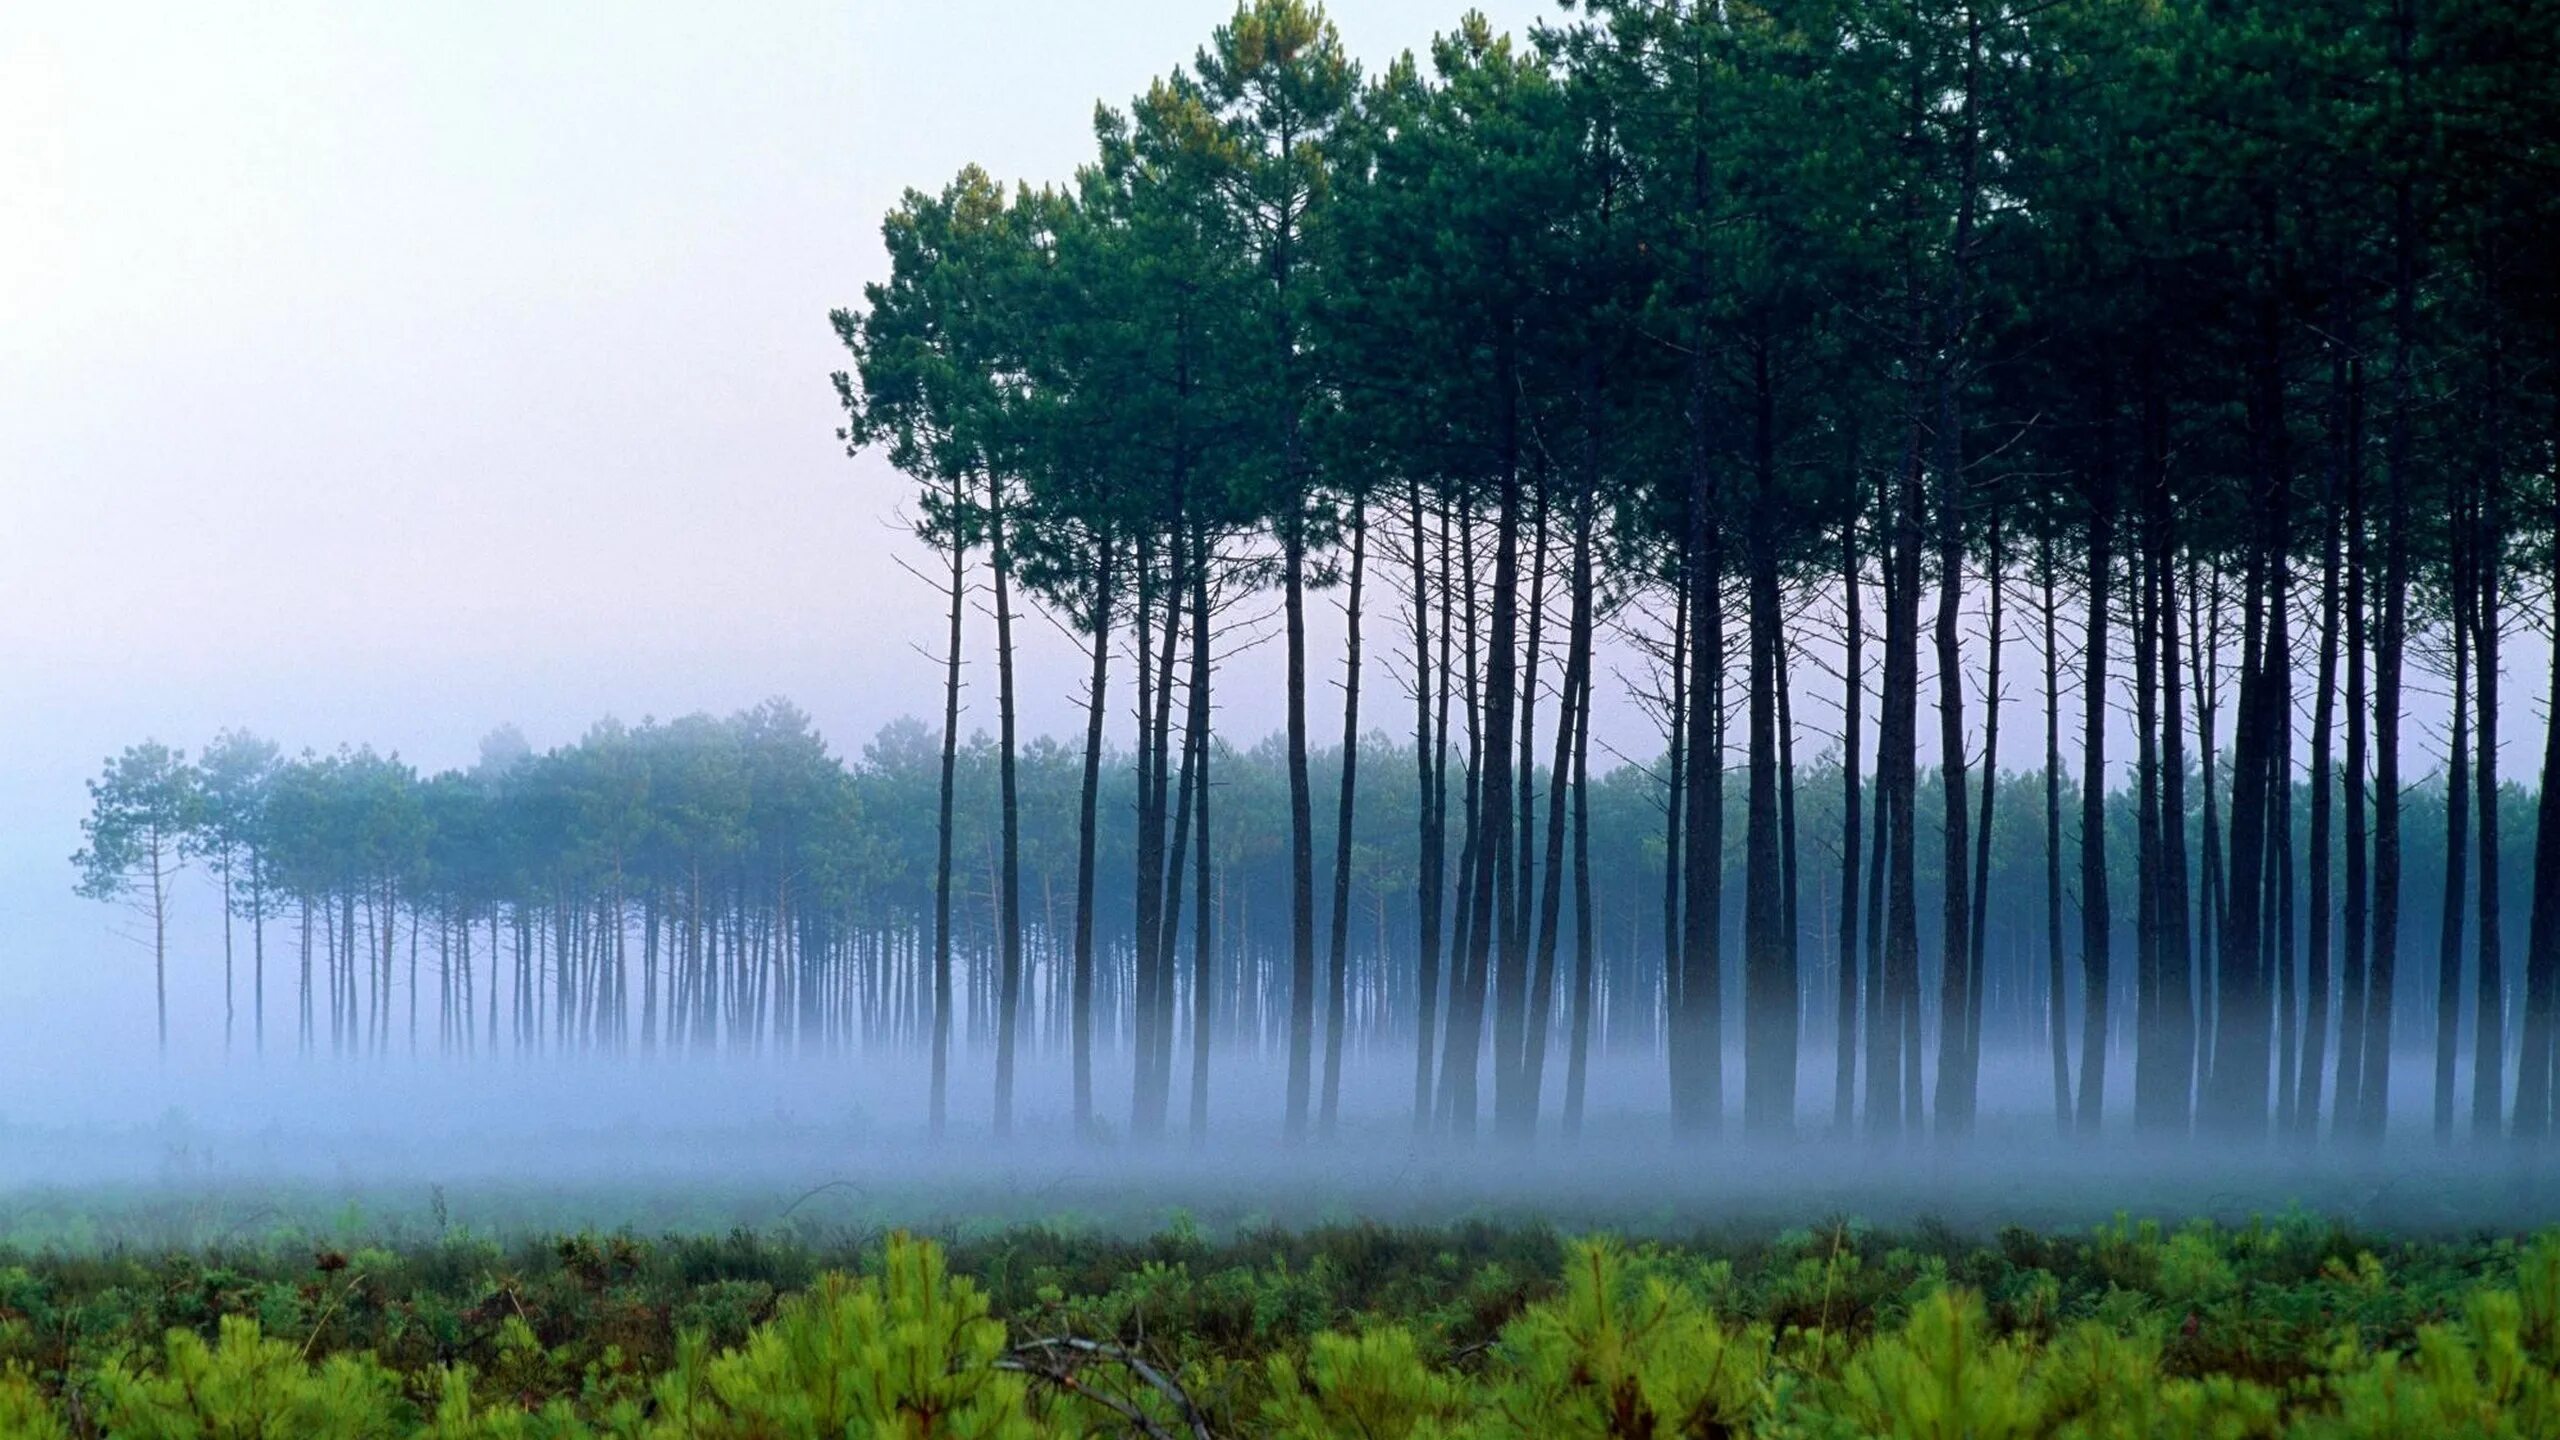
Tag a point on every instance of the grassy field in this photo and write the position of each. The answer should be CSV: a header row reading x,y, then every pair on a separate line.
x,y
2288,1325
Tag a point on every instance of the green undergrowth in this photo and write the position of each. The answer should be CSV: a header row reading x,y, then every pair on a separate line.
x,y
2285,1327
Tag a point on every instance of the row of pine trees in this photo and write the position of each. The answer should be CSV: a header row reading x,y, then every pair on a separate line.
x,y
2198,356
2189,368
709,887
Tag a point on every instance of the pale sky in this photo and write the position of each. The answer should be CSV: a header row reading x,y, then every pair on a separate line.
x,y
384,372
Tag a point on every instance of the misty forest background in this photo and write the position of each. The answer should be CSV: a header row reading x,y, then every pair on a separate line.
x,y
2182,372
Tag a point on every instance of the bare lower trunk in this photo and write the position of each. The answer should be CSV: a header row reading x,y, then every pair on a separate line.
x,y
2457,825
2094,921
1675,808
1512,1111
1080,1020
939,1107
1302,838
1490,940
2542,946
1768,968
1955,998
1980,925
1897,781
1853,697
1570,743
1204,914
1585,942
1430,781
1009,884
1336,992
2322,957
2058,1041
2489,1047
2354,928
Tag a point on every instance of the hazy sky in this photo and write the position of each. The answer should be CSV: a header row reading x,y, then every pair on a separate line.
x,y
384,372
444,364
376,372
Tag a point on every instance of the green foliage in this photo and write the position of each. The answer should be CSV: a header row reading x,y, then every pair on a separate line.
x,y
459,1415
143,808
1630,1348
248,1387
2287,1329
1370,1386
24,1413
1946,1376
909,1352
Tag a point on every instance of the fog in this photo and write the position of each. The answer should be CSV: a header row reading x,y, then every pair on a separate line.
x,y
383,377
505,1149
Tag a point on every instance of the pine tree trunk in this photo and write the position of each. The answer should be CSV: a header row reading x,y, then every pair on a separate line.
x,y
2177,984
2321,959
939,1106
1959,997
1159,867
2239,1104
1570,742
2151,1057
2488,1070
1491,934
1675,815
1897,780
1885,1018
226,953
1158,1031
156,853
2094,920
1148,859
1768,970
1302,839
1696,1034
1980,925
1430,776
2355,921
2374,1099
2457,825
2542,945
1203,922
2388,645
1080,1018
1789,895
2281,933
2205,664
1009,883
1853,697
1465,1032
2204,655
1510,1045
2056,1003
1955,998
1336,991
1585,941
258,951
302,1006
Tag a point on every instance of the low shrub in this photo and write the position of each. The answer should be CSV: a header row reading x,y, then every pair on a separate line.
x,y
2132,1332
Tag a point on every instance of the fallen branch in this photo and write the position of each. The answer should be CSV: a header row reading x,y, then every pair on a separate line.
x,y
1026,1358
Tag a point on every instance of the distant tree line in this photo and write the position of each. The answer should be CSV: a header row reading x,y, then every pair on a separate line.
x,y
2182,365
731,886
2188,367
